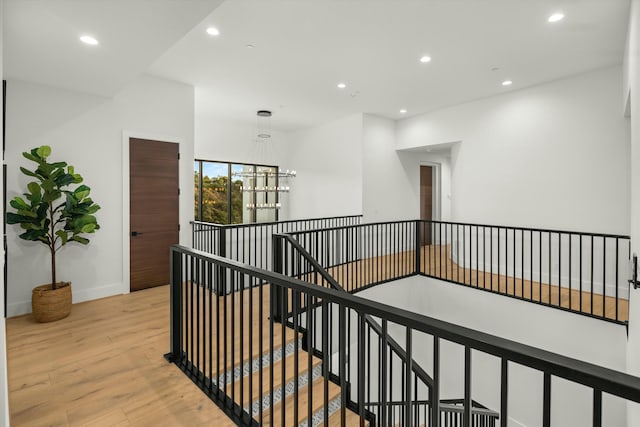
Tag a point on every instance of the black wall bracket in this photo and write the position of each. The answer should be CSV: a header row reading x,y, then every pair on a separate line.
x,y
634,272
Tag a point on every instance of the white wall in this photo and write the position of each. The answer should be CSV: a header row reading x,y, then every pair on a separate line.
x,y
4,393
632,84
531,324
228,141
554,155
391,178
87,131
328,159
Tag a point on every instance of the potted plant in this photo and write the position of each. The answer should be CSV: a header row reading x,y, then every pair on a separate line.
x,y
53,213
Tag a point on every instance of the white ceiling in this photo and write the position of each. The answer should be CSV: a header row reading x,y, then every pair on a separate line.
x,y
40,39
303,48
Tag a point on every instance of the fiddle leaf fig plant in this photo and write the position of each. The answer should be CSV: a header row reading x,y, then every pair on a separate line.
x,y
52,211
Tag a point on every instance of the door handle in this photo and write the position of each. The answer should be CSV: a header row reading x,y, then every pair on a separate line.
x,y
135,233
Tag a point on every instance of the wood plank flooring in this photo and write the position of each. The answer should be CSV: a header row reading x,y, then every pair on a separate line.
x,y
437,263
103,366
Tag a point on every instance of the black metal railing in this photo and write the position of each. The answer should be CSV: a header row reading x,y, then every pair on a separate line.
x,y
230,345
292,260
451,413
575,271
363,255
586,273
251,243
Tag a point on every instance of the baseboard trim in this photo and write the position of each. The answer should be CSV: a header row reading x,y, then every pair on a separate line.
x,y
79,295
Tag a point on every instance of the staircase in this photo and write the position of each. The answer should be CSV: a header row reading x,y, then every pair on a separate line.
x,y
260,365
274,355
261,358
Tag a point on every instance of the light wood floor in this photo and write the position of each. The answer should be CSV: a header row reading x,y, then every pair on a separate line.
x,y
103,366
435,262
573,299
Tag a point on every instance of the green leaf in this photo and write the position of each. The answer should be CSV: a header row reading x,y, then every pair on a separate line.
x,y
35,199
40,213
57,165
13,218
34,235
88,228
81,240
30,157
34,188
52,196
18,203
45,170
64,180
27,213
63,236
48,185
93,209
57,173
44,152
42,210
81,192
29,173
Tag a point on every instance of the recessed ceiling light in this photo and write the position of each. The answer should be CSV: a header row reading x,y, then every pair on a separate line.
x,y
249,46
342,85
424,59
558,16
88,40
507,83
213,31
403,111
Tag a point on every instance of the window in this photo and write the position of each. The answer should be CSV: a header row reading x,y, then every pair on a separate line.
x,y
235,193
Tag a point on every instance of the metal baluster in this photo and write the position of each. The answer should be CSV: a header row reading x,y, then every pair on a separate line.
x,y
546,405
504,393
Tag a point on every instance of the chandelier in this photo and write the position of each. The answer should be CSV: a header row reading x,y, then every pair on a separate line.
x,y
263,178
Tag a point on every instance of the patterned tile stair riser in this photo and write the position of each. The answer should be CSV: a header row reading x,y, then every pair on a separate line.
x,y
303,381
254,366
318,417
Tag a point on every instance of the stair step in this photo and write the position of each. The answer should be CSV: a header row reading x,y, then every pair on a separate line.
x,y
351,419
303,398
289,380
253,366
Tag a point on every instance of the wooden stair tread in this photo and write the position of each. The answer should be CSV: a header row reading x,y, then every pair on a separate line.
x,y
277,376
196,326
351,419
303,396
290,337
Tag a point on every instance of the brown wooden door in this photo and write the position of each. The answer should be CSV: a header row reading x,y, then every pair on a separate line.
x,y
153,221
426,202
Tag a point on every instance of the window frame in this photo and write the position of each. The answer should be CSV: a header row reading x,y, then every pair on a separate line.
x,y
253,216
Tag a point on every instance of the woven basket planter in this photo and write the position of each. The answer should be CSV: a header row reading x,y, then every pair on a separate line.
x,y
49,305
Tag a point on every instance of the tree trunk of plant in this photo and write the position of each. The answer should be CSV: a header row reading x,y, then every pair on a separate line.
x,y
53,268
52,246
